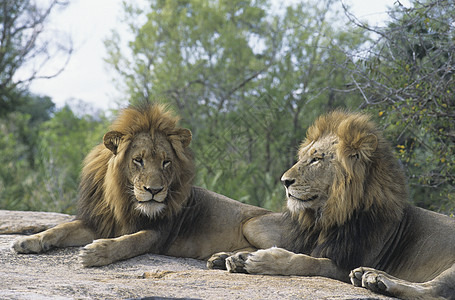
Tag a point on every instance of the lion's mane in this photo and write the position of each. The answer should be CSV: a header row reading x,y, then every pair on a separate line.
x,y
105,201
369,189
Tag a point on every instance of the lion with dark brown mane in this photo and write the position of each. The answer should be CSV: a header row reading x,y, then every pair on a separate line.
x,y
350,218
136,196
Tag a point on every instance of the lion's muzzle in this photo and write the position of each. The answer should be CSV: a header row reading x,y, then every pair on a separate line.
x,y
150,193
153,191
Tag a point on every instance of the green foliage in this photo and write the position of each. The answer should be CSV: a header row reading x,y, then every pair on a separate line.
x,y
42,154
247,82
14,172
64,142
408,80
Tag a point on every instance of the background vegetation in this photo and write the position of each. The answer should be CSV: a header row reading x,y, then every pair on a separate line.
x,y
247,79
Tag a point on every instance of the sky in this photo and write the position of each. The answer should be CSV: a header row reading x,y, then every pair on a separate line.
x,y
87,76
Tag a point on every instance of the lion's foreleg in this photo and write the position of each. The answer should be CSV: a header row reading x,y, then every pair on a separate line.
x,y
265,231
444,284
74,233
105,251
441,287
261,232
278,261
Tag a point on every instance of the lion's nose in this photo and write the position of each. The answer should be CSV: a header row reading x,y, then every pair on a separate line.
x,y
153,191
287,182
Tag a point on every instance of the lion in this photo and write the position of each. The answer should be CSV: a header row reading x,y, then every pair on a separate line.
x,y
136,196
347,201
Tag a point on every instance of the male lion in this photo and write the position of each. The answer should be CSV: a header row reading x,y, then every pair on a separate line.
x,y
136,197
347,197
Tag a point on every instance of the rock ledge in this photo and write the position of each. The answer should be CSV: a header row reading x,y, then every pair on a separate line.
x,y
58,275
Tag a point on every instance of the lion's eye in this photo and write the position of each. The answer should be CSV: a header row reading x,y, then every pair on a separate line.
x,y
166,164
138,161
316,159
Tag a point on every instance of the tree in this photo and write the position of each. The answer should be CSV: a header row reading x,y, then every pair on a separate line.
x,y
65,140
23,43
19,145
246,80
48,182
195,53
407,78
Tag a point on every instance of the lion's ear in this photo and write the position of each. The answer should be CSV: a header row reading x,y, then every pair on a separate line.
x,y
112,140
365,146
184,136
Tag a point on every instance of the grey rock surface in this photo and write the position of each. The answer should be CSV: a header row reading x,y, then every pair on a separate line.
x,y
57,274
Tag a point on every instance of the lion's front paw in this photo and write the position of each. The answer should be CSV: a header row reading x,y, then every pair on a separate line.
x,y
236,262
98,253
218,260
30,244
356,276
372,279
272,261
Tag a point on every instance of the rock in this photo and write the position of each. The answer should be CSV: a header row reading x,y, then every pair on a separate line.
x,y
58,275
29,222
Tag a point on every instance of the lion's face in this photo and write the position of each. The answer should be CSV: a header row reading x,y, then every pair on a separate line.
x,y
308,182
150,171
345,169
150,168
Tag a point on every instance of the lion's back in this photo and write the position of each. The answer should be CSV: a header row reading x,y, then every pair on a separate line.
x,y
220,203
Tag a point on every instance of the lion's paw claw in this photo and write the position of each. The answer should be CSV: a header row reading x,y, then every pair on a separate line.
x,y
236,263
218,260
369,278
356,277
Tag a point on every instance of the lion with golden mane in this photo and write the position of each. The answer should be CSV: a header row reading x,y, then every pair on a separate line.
x,y
136,196
348,203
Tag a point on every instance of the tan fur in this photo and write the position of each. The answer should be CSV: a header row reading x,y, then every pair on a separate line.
x,y
103,176
136,196
358,136
348,199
